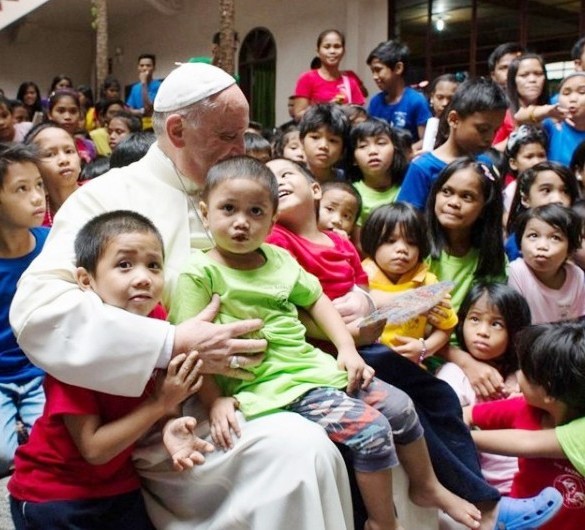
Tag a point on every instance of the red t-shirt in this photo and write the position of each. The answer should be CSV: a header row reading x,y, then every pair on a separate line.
x,y
338,267
49,467
534,474
343,90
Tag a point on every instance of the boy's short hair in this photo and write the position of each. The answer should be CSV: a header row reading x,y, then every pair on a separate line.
x,y
94,237
565,219
15,154
383,220
256,142
327,115
348,188
501,50
244,167
390,53
150,56
552,356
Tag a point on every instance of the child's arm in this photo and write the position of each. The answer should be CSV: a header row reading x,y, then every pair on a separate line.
x,y
519,442
184,446
99,442
417,350
486,381
329,320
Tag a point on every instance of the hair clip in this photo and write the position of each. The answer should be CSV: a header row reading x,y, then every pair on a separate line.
x,y
521,133
489,173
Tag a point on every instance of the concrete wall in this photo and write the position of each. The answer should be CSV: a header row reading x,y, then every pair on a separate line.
x,y
39,51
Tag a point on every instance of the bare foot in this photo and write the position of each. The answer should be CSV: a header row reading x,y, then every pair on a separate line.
x,y
440,497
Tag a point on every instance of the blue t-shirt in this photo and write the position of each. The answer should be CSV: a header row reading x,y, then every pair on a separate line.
x,y
419,178
563,139
411,111
14,365
135,98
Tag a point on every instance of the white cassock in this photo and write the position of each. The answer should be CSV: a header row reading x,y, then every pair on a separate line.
x,y
282,474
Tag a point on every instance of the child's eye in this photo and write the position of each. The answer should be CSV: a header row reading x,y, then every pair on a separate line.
x,y
229,208
256,211
328,209
125,264
473,318
446,192
347,217
498,324
155,265
531,235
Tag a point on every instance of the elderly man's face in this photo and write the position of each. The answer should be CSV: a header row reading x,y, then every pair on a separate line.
x,y
220,135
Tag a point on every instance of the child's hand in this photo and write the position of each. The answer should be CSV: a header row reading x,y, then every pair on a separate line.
x,y
222,418
181,380
486,381
408,347
359,374
437,314
186,449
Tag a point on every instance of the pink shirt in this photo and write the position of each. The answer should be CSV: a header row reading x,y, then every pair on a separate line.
x,y
546,304
312,86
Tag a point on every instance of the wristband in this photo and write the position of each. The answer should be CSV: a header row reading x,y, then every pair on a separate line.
x,y
531,116
423,352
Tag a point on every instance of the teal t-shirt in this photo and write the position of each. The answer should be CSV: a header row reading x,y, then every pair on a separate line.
x,y
272,292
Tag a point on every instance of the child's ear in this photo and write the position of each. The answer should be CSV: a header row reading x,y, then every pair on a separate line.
x,y
398,68
83,278
204,211
174,129
453,119
523,201
513,164
316,190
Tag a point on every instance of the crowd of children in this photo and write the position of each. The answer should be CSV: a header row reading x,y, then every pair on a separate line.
x,y
493,204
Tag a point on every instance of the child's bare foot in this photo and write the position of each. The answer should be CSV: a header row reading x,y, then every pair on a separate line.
x,y
371,525
440,497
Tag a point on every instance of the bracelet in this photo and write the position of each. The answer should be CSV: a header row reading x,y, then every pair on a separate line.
x,y
531,116
423,352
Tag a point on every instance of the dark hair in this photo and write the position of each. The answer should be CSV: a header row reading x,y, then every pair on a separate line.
x,y
564,219
327,115
523,135
6,102
109,102
134,123
109,82
552,356
256,142
578,158
354,111
58,95
132,148
94,237
511,81
373,127
303,169
444,78
59,78
150,56
486,233
15,153
323,34
384,219
95,168
88,93
346,187
473,95
527,178
514,310
37,129
37,106
501,50
241,167
281,138
577,49
390,53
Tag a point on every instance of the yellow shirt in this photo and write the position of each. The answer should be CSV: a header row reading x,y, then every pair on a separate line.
x,y
417,277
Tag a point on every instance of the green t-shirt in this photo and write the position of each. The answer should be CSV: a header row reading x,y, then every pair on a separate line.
x,y
372,198
571,437
272,292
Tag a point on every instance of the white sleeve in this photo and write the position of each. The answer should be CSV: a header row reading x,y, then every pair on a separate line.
x,y
70,333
